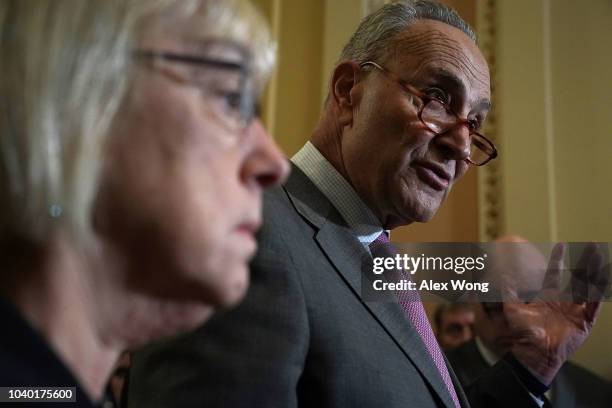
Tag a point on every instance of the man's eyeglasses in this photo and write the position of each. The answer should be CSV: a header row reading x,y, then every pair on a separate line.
x,y
438,117
227,85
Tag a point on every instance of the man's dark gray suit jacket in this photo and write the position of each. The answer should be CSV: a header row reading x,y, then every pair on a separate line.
x,y
303,336
573,387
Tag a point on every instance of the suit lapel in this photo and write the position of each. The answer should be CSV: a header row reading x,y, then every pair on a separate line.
x,y
457,384
345,253
474,363
563,392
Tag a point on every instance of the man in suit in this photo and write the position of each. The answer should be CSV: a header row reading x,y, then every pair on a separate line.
x,y
385,153
574,386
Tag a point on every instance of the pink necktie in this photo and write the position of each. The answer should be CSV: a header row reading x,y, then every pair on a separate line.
x,y
413,307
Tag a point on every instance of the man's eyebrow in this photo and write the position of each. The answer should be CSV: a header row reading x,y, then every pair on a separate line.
x,y
483,104
450,81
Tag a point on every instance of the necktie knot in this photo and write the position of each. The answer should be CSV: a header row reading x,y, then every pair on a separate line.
x,y
382,247
381,239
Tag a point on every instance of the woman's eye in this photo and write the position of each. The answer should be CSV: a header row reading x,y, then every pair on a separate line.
x,y
232,100
438,94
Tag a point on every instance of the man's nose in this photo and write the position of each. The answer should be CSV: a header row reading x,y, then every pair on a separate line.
x,y
466,332
455,143
266,165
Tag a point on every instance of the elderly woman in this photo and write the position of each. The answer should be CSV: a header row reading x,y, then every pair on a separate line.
x,y
132,165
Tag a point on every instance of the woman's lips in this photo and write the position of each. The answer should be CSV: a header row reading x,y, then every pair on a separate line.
x,y
245,234
249,228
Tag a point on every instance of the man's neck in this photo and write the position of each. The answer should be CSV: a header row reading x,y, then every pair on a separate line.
x,y
329,144
327,138
487,354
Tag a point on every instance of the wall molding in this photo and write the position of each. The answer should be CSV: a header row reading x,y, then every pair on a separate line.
x,y
490,211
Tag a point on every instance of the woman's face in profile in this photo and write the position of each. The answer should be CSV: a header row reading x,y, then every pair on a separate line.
x,y
181,189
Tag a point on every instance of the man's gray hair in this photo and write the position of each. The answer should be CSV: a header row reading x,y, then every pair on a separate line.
x,y
374,36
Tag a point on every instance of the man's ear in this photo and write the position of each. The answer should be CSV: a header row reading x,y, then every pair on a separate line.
x,y
344,79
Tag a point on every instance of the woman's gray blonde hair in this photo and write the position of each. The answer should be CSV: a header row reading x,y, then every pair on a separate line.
x,y
65,68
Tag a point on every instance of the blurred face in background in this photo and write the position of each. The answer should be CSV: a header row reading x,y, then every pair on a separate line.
x,y
492,327
181,189
456,328
514,265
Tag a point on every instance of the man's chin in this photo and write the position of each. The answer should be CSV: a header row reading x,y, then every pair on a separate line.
x,y
428,207
418,206
424,213
408,217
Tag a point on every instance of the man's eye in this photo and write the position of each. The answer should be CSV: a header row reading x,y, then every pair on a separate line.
x,y
438,94
474,125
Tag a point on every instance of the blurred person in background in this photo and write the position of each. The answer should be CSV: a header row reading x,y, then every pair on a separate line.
x,y
454,325
573,386
132,165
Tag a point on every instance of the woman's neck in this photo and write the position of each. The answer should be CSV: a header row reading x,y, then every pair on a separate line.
x,y
56,296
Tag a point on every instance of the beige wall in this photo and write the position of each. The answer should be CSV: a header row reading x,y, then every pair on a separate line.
x,y
293,105
581,76
556,102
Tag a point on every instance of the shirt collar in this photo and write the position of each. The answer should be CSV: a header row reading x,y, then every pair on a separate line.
x,y
488,355
339,192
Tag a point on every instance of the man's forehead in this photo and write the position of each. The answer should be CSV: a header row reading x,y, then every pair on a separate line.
x,y
463,313
428,45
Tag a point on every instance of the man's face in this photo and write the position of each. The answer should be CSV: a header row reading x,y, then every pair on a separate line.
x,y
491,326
180,198
399,167
516,266
456,328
